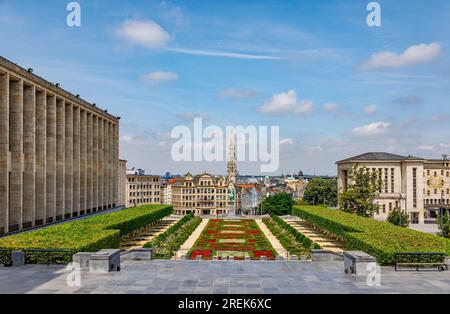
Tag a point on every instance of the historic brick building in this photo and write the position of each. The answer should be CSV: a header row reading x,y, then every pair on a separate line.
x,y
58,153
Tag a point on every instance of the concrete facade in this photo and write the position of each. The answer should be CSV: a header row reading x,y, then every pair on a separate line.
x,y
142,190
415,185
122,174
48,142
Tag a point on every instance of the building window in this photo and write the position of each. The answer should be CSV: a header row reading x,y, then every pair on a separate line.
x,y
415,187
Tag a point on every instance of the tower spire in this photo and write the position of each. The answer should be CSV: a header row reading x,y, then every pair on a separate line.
x,y
231,166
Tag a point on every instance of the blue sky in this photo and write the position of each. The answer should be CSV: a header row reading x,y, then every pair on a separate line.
x,y
334,85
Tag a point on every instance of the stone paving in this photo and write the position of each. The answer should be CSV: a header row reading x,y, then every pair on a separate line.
x,y
226,277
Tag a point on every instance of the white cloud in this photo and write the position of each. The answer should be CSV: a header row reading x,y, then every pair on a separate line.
x,y
223,54
237,93
371,110
145,33
414,55
189,116
328,107
158,77
284,103
304,108
287,141
373,129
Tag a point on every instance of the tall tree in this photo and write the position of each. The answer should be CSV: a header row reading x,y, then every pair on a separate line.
x,y
362,189
321,191
278,204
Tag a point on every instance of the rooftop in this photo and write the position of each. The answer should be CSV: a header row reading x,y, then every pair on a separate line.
x,y
381,156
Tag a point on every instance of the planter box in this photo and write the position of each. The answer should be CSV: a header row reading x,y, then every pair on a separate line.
x,y
140,254
357,262
325,255
105,261
82,258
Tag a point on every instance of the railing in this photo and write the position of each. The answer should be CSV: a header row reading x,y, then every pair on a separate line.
x,y
419,261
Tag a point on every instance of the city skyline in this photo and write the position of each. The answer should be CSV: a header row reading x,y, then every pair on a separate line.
x,y
334,85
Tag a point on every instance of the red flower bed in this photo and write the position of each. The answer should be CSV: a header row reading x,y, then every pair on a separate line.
x,y
218,236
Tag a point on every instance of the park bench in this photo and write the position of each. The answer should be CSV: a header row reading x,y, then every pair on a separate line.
x,y
419,261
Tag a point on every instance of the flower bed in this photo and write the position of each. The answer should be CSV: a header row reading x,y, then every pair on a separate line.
x,y
240,238
380,239
84,235
168,242
291,239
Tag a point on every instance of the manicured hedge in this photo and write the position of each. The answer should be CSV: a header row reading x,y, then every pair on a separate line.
x,y
166,243
84,235
379,239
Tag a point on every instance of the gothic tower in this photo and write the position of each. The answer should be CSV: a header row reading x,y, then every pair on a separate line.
x,y
231,166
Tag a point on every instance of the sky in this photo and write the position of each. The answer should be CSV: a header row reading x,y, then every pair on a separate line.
x,y
335,86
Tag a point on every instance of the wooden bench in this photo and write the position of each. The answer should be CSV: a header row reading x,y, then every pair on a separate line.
x,y
419,261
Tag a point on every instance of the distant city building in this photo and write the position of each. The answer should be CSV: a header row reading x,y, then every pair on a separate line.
x,y
166,191
415,185
122,173
58,153
202,195
250,195
136,172
142,190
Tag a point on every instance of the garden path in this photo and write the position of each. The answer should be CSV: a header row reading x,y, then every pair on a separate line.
x,y
189,243
148,235
281,251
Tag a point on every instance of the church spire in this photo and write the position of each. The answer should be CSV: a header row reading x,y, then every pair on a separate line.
x,y
231,166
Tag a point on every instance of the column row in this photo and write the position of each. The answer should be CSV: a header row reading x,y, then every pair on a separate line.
x,y
58,160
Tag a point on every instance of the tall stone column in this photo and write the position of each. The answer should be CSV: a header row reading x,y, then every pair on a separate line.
x,y
69,162
41,157
4,151
60,157
110,162
106,161
29,131
83,162
51,159
95,187
16,149
76,161
90,160
116,166
101,162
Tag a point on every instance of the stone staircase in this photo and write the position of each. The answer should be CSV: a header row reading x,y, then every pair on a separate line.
x,y
325,242
149,234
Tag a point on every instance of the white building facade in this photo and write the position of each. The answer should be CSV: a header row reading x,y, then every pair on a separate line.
x,y
412,184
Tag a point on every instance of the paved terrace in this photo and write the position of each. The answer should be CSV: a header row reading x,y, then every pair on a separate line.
x,y
189,277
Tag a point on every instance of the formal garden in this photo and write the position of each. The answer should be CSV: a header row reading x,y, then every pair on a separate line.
x,y
237,238
56,244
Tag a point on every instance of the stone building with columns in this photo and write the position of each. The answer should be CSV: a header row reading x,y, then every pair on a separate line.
x,y
58,153
421,187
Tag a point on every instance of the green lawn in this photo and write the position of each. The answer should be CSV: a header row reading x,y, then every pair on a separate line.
x,y
85,235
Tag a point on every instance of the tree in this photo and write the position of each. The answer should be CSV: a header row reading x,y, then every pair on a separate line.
x,y
321,191
398,218
363,187
278,204
444,226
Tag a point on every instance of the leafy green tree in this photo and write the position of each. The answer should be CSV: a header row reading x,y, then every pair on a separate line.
x,y
363,187
278,204
444,226
321,191
398,218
